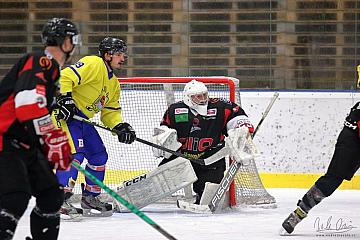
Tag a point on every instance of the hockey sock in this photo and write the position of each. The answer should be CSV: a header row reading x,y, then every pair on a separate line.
x,y
44,226
8,223
95,166
12,207
313,197
99,173
328,183
45,217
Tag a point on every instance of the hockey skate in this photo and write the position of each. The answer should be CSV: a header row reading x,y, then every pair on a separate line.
x,y
94,207
292,220
69,211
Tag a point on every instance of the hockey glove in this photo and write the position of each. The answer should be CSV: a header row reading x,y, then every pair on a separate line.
x,y
66,106
57,149
125,132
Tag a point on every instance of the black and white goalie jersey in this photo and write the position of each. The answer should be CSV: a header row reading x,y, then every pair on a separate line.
x,y
202,136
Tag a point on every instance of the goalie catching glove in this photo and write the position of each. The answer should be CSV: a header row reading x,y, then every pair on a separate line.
x,y
242,148
167,138
125,132
57,149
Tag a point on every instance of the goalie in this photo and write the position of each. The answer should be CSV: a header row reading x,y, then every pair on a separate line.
x,y
197,126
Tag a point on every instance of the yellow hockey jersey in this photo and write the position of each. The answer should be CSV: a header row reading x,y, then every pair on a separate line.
x,y
94,89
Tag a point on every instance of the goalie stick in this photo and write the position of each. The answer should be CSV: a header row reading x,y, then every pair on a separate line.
x,y
234,166
178,154
123,201
267,110
224,185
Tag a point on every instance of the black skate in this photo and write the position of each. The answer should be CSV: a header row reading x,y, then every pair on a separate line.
x,y
94,207
69,211
292,220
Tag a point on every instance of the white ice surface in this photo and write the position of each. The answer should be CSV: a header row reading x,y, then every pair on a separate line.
x,y
341,209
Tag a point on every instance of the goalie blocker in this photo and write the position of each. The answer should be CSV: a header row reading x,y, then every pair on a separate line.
x,y
165,137
157,184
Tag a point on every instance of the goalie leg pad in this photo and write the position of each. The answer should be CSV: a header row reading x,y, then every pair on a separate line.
x,y
189,196
209,191
163,181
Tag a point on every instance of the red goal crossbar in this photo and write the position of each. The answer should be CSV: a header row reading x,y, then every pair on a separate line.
x,y
208,80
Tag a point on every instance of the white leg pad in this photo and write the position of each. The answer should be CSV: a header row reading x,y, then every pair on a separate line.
x,y
209,192
159,183
189,194
203,207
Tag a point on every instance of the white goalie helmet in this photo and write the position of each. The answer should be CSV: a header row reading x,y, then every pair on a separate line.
x,y
196,96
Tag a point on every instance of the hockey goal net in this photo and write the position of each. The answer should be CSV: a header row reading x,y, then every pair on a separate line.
x,y
143,101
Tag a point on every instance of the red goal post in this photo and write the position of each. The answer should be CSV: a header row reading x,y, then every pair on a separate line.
x,y
232,84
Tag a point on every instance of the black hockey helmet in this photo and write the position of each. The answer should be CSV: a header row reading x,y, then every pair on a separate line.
x,y
112,45
57,29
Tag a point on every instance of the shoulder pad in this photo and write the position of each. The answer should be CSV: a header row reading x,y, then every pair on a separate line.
x,y
224,100
214,100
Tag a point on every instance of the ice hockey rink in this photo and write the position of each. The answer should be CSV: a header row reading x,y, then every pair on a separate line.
x,y
338,217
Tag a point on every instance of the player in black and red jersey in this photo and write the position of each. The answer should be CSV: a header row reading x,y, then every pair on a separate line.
x,y
201,124
30,146
343,165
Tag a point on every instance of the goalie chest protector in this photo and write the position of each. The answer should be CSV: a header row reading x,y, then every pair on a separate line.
x,y
198,133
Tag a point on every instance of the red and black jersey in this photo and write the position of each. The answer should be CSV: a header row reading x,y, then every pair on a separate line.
x,y
26,93
198,134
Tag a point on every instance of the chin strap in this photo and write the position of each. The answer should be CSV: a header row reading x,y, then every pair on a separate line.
x,y
67,54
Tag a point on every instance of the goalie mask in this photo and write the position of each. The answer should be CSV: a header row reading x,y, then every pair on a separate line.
x,y
196,96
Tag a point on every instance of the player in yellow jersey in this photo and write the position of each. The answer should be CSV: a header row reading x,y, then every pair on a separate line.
x,y
89,87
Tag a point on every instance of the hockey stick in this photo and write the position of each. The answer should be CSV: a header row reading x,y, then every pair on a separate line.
x,y
178,154
235,166
267,110
123,201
